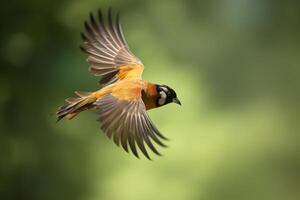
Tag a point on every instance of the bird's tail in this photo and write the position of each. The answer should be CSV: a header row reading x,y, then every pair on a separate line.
x,y
75,105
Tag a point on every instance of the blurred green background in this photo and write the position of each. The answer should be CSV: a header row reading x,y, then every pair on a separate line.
x,y
234,65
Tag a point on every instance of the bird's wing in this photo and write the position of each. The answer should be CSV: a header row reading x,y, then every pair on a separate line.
x,y
124,118
108,53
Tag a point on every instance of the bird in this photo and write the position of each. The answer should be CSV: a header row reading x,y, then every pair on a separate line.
x,y
124,97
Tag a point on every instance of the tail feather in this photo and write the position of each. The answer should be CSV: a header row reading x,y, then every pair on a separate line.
x,y
72,100
82,94
75,105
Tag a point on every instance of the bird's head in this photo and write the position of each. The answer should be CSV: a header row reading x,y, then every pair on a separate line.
x,y
166,95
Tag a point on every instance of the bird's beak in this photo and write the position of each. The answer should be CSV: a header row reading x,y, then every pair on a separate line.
x,y
175,100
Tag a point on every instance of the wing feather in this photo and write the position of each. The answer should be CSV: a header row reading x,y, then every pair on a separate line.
x,y
108,51
127,122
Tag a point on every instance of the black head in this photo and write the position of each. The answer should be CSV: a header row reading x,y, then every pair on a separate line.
x,y
166,95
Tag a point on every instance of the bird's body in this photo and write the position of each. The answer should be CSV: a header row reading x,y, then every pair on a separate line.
x,y
124,97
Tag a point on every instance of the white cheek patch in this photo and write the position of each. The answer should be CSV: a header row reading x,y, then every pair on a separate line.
x,y
164,89
162,99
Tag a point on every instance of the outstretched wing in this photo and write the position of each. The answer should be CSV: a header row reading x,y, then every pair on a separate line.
x,y
126,121
108,53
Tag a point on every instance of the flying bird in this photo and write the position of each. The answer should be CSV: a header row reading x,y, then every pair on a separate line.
x,y
124,98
